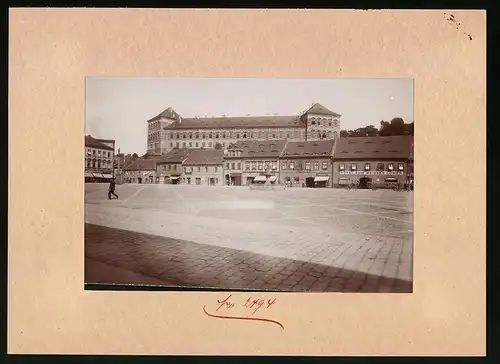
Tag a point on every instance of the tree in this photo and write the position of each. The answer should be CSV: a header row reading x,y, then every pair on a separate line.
x,y
135,156
396,126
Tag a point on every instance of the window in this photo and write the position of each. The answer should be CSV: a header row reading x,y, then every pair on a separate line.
x,y
203,145
171,145
254,166
329,123
210,135
169,167
210,144
247,166
266,165
197,144
206,169
354,167
223,135
325,165
109,154
239,165
367,166
287,135
197,135
198,169
184,144
217,136
216,169
238,136
216,180
177,135
232,165
203,135
390,166
274,135
99,153
308,166
260,165
283,166
300,166
313,122
183,136
400,167
227,166
190,144
274,165
292,165
177,144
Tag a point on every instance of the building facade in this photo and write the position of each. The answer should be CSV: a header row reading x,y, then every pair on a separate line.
x,y
307,164
98,159
169,167
168,130
141,171
204,167
373,161
255,161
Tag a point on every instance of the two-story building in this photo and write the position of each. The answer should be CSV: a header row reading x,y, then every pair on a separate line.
x,y
372,161
307,163
140,171
204,167
169,167
99,156
255,161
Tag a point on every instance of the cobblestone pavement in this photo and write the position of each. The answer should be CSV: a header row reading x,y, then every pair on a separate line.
x,y
362,239
163,261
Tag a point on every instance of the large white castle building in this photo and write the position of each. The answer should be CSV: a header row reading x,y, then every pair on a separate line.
x,y
168,130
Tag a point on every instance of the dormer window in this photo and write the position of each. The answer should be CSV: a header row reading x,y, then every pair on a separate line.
x,y
367,166
341,167
390,166
354,167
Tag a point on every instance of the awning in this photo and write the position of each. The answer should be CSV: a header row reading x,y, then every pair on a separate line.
x,y
273,178
391,179
321,179
174,178
97,175
88,175
260,179
106,175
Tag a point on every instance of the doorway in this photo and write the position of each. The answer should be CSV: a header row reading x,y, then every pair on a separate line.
x,y
139,180
310,182
365,182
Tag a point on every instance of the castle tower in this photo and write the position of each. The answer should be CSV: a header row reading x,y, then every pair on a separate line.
x,y
156,135
322,124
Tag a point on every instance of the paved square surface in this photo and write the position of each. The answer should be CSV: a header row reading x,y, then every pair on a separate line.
x,y
236,237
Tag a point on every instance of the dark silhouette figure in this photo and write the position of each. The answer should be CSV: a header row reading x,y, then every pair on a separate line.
x,y
111,190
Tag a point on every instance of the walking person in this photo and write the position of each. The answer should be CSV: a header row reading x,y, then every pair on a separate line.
x,y
111,191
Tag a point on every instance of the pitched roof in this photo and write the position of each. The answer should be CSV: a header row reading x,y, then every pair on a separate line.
x,y
176,155
320,148
204,157
321,110
258,148
167,113
94,143
237,122
381,147
141,165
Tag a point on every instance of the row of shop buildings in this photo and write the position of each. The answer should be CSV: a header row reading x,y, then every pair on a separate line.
x,y
369,161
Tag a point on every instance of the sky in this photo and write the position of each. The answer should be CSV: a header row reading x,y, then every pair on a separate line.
x,y
118,107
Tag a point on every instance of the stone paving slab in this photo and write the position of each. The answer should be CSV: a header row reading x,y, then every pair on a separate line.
x,y
115,256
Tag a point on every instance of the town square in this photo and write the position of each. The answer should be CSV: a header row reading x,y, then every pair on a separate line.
x,y
287,201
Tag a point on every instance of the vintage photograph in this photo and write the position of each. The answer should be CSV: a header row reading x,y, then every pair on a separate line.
x,y
301,185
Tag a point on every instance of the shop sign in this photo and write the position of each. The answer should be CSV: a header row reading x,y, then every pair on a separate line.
x,y
386,173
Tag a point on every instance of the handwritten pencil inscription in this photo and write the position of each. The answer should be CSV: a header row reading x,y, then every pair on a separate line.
x,y
251,309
